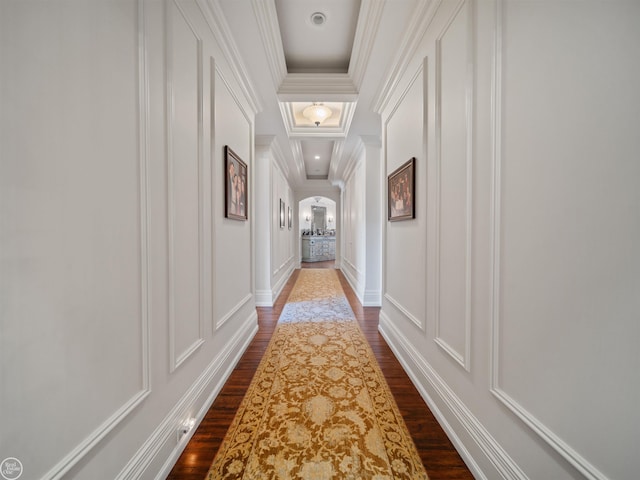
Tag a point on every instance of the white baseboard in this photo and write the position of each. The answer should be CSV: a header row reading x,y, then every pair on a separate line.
x,y
355,285
211,380
372,298
264,298
277,289
428,383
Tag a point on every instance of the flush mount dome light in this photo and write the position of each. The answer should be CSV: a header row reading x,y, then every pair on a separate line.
x,y
318,18
317,113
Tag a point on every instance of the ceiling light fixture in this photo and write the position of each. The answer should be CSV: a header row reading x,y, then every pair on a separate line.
x,y
317,113
318,18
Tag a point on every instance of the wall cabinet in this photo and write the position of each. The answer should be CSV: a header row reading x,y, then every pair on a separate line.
x,y
318,249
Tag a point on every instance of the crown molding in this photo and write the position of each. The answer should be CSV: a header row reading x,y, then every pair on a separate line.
x,y
298,158
352,161
273,145
421,19
279,157
326,87
214,16
366,31
267,18
336,156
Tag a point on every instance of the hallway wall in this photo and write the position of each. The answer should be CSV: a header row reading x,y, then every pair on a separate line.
x,y
362,222
512,298
126,297
354,248
275,246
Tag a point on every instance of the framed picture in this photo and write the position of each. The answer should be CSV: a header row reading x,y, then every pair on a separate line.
x,y
289,217
282,213
401,192
236,191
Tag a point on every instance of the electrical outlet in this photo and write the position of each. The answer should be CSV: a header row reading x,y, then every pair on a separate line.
x,y
185,428
181,432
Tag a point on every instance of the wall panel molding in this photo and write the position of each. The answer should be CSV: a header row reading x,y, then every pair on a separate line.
x,y
217,73
233,311
212,13
420,71
284,264
279,286
539,428
421,20
406,313
426,380
356,281
175,14
97,435
211,380
461,357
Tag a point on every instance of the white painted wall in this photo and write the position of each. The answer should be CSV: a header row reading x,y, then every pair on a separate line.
x,y
513,297
126,297
275,246
375,205
361,259
354,247
284,239
263,221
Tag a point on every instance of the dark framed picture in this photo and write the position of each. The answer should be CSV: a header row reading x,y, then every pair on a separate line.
x,y
282,217
401,185
236,191
289,218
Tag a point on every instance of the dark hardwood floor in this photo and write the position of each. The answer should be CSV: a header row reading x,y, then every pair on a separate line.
x,y
438,455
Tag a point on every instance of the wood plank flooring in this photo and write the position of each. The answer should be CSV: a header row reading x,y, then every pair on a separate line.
x,y
438,455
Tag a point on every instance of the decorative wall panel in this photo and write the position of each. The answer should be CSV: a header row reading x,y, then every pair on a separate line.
x,y
564,233
74,340
185,188
233,250
454,172
405,244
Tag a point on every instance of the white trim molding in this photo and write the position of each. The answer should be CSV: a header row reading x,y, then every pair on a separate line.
x,y
177,358
372,298
277,288
220,322
428,382
366,30
267,19
421,324
420,21
462,358
213,14
211,380
356,281
407,314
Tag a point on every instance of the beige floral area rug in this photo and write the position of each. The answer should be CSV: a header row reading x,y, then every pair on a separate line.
x,y
318,407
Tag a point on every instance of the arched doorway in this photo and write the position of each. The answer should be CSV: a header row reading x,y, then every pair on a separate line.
x,y
317,215
317,222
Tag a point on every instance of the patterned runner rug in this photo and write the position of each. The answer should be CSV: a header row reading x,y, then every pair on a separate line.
x,y
318,407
